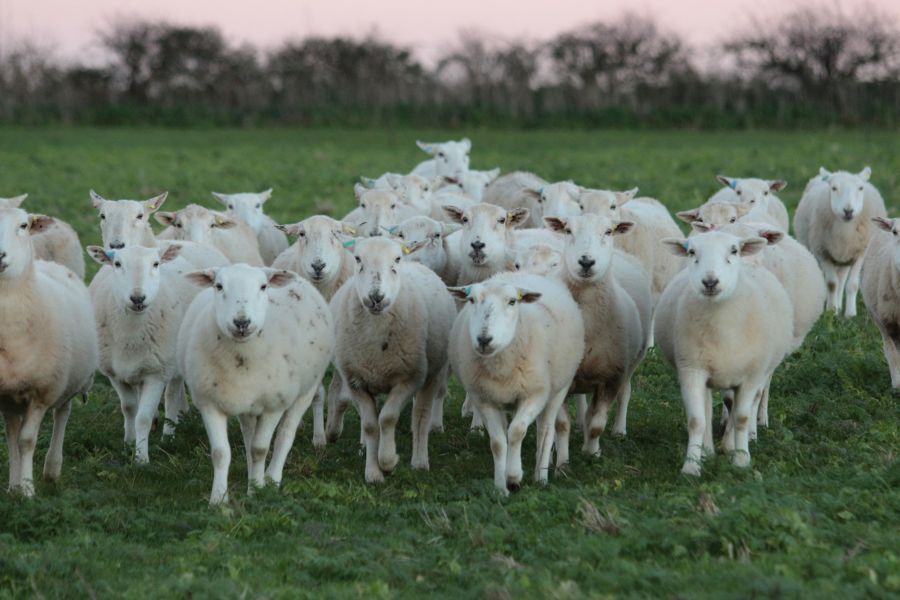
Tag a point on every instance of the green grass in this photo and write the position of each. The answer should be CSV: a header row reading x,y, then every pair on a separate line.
x,y
817,515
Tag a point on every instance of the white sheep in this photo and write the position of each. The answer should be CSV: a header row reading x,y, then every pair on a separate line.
x,y
755,193
434,253
249,207
516,346
254,344
49,343
834,220
516,190
713,215
724,324
57,242
450,158
229,235
614,295
881,289
413,190
379,211
473,183
392,319
486,243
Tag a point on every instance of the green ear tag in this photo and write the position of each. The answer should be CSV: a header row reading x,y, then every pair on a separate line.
x,y
349,243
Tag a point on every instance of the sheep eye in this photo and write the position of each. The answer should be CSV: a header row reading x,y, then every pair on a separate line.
x,y
231,207
607,232
738,192
258,205
400,235
139,217
568,231
612,207
691,252
440,155
512,302
102,217
581,206
263,287
362,205
734,251
501,220
358,261
178,225
732,219
117,264
23,226
518,266
860,188
766,193
465,219
541,199
156,265
396,260
834,188
219,287
471,300
425,188
301,234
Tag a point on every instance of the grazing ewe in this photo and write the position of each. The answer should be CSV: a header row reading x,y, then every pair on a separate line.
x,y
881,289
56,242
229,235
724,324
516,346
450,159
834,220
379,211
393,319
249,208
49,343
255,344
755,193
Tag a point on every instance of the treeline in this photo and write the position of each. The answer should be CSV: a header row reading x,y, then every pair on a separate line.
x,y
815,66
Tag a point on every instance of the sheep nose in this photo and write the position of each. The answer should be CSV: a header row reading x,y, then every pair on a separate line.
x,y
375,233
710,282
137,300
242,323
477,245
2,255
848,213
586,262
117,245
376,297
484,341
318,266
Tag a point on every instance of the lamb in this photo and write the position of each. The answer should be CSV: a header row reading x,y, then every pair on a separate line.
x,y
49,346
755,193
254,344
249,207
450,158
392,319
724,324
614,296
516,346
881,289
139,298
379,211
57,242
834,220
435,253
229,235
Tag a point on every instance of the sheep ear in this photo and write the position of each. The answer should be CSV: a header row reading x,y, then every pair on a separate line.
x,y
97,200
202,278
627,195
425,146
223,222
742,209
865,173
676,246
223,198
527,296
824,173
412,247
448,180
40,223
264,195
358,190
884,223
367,181
154,203
534,193
166,219
291,229
467,143
493,174
280,277
448,228
454,213
772,236
727,181
557,224
460,293
777,185
620,227
689,216
394,180
170,253
99,255
517,216
701,227
751,246
16,201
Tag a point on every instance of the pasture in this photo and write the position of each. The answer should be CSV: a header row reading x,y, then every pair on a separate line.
x,y
817,514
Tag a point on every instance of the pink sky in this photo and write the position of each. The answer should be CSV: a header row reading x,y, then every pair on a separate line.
x,y
427,25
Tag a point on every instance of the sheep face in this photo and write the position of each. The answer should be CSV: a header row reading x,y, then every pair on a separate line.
x,y
125,222
604,202
412,190
429,233
486,230
715,214
247,206
891,226
16,250
473,183
589,243
320,246
493,314
540,259
557,199
195,223
450,158
715,261
378,282
381,211
847,192
241,297
136,272
753,191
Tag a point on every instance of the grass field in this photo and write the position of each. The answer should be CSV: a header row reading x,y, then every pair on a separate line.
x,y
817,515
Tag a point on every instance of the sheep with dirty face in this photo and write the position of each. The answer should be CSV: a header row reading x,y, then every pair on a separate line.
x,y
881,289
758,194
248,207
254,344
450,158
392,319
56,242
724,324
50,347
379,211
834,220
229,235
516,346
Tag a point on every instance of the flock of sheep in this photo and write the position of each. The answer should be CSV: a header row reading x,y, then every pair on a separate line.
x,y
528,291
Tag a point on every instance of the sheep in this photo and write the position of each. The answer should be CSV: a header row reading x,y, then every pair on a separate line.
x,y
249,207
716,214
412,190
724,324
881,289
49,346
516,346
435,253
755,193
834,220
392,320
516,190
229,235
450,158
474,183
613,293
254,344
379,211
540,259
57,242
139,298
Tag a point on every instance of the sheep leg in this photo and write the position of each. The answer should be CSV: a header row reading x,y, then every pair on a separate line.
x,y
248,430
437,407
727,403
31,425
545,431
623,397
53,460
337,406
852,288
709,448
694,395
318,406
843,273
148,405
581,411
832,298
599,416
128,402
495,423
175,404
563,431
469,407
892,355
216,424
287,431
266,424
397,398
527,412
13,424
423,418
743,414
762,411
365,404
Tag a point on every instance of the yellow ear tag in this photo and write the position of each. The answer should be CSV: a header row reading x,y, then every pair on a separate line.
x,y
348,229
509,216
219,220
520,296
406,250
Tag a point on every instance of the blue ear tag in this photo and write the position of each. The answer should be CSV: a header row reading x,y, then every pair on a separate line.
x,y
110,254
349,243
392,229
468,290
733,184
824,177
685,244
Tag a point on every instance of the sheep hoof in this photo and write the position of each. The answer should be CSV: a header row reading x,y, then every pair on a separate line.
x,y
691,468
619,433
741,459
319,441
374,475
388,464
436,428
513,486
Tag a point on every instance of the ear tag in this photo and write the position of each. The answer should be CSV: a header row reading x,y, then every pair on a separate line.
x,y
406,250
110,254
392,229
520,296
348,229
686,245
824,177
349,243
509,216
540,190
733,184
468,291
219,220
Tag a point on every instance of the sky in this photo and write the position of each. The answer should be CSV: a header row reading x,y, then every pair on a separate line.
x,y
69,26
